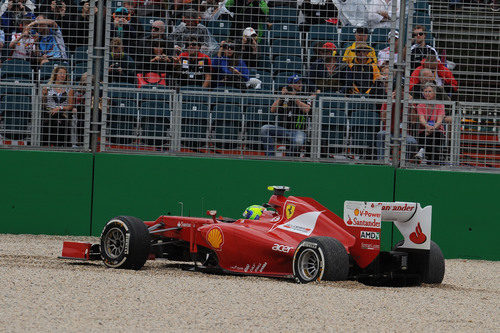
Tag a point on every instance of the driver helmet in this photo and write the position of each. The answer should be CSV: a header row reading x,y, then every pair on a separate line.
x,y
253,212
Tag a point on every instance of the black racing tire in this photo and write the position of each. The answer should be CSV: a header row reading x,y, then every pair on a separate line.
x,y
431,270
125,243
320,258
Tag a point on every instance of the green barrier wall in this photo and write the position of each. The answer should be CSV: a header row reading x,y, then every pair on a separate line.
x,y
45,192
148,186
465,209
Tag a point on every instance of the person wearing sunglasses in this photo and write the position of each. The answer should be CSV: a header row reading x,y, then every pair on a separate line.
x,y
229,68
420,50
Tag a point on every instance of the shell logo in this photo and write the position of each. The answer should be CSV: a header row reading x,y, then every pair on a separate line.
x,y
356,212
215,238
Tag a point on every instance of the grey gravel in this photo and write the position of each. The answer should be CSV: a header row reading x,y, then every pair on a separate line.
x,y
39,292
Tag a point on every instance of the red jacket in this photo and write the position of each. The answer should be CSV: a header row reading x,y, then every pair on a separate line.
x,y
444,73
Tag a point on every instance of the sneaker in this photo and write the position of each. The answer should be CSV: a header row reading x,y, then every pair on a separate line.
x,y
420,154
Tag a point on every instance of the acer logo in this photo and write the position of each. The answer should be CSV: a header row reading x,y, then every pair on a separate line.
x,y
282,248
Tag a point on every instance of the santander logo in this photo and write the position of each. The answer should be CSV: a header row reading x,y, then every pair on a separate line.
x,y
418,237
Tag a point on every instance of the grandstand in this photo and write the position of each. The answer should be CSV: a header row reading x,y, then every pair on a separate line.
x,y
206,78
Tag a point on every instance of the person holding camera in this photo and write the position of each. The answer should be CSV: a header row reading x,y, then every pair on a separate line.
x,y
249,48
230,69
50,44
13,13
194,67
63,13
120,64
23,42
293,109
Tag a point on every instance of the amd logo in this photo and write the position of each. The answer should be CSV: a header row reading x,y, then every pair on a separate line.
x,y
282,248
370,235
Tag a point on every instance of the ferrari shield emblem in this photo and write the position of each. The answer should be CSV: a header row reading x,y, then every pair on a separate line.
x,y
290,209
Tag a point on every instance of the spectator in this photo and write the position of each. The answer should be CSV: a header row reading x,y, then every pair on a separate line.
x,y
80,33
363,73
78,121
431,134
249,48
194,67
442,75
58,102
420,50
248,13
352,12
188,28
316,12
411,142
50,41
361,36
120,64
62,12
379,13
426,75
23,42
229,68
121,28
384,54
158,66
212,9
328,73
157,34
13,12
293,111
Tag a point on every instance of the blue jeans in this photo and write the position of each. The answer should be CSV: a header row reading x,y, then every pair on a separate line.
x,y
269,133
411,145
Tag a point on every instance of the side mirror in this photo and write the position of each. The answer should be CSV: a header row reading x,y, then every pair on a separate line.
x,y
212,213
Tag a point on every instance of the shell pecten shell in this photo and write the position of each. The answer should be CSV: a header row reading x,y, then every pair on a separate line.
x,y
215,238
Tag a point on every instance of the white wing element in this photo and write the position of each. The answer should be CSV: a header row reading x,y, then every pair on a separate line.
x,y
303,224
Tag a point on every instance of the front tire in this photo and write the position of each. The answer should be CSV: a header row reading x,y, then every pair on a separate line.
x,y
125,243
320,258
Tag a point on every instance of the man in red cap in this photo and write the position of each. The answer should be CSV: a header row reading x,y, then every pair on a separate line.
x,y
327,72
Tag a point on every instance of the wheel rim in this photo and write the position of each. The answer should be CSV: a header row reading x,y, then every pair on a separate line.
x,y
114,243
308,264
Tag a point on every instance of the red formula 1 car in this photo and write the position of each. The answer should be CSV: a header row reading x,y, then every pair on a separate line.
x,y
296,237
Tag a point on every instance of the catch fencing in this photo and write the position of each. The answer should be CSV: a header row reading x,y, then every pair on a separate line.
x,y
277,80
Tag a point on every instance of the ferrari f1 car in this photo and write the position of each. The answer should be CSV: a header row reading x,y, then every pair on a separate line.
x,y
295,237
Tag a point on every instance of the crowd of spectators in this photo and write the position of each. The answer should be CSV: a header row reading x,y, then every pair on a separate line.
x,y
176,48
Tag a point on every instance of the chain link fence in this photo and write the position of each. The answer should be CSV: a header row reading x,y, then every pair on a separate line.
x,y
412,84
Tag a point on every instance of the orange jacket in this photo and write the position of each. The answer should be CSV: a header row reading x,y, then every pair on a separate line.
x,y
444,73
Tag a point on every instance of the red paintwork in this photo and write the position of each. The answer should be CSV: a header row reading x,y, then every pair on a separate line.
x,y
77,250
247,245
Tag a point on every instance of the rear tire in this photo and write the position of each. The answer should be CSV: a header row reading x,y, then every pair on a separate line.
x,y
431,270
320,258
125,243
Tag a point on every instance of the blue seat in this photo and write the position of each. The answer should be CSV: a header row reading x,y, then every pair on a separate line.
x,y
284,30
283,14
288,64
380,35
195,114
257,113
220,29
155,114
123,113
347,36
334,122
80,55
421,5
15,110
365,121
323,33
280,81
227,122
286,47
16,70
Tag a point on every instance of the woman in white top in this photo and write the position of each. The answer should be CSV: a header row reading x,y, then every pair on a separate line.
x,y
58,102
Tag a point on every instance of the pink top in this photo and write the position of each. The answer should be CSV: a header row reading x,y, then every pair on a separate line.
x,y
431,113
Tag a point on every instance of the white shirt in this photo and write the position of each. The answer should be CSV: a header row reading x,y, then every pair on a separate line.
x,y
374,19
24,47
383,56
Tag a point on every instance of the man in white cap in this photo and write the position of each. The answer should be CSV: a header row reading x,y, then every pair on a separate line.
x,y
249,48
384,54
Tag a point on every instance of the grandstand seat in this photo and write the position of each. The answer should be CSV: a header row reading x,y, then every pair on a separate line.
x,y
15,110
80,55
286,47
323,33
123,113
227,116
219,29
280,81
264,64
155,115
346,36
421,5
17,70
364,120
380,35
284,30
266,79
283,14
334,121
195,115
287,64
257,113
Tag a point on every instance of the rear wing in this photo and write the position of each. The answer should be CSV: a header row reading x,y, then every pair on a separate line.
x,y
413,221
